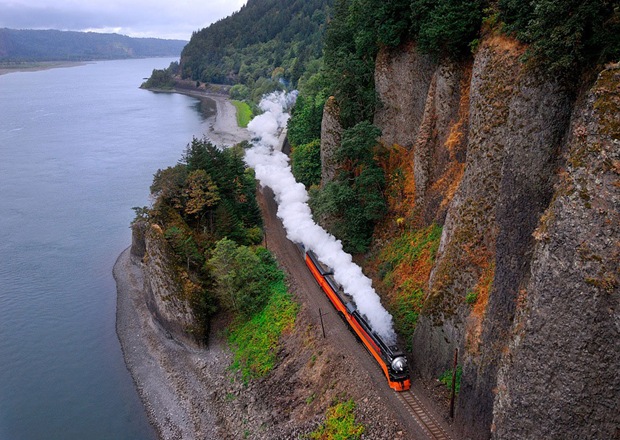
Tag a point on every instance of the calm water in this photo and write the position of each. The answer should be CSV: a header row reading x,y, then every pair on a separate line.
x,y
78,148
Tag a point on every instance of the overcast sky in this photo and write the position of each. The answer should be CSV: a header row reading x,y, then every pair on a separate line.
x,y
136,18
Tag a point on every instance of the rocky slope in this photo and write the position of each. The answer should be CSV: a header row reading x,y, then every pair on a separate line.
x,y
523,175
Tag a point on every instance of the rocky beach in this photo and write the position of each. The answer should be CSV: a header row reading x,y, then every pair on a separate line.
x,y
176,382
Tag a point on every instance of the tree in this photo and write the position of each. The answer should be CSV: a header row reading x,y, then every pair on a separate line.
x,y
167,187
184,245
446,27
306,163
242,283
200,192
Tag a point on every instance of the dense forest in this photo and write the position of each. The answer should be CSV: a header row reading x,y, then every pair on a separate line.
x,y
52,45
265,45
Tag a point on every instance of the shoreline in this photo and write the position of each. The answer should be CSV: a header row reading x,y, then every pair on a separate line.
x,y
223,129
41,65
181,386
175,382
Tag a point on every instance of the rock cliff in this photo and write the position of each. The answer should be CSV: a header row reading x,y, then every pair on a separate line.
x,y
168,289
331,133
523,175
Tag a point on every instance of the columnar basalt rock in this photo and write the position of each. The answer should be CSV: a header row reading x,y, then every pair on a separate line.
x,y
559,376
488,150
402,79
537,120
331,133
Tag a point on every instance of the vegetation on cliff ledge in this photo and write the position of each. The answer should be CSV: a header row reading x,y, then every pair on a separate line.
x,y
206,207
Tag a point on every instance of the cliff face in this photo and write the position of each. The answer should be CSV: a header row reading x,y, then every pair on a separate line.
x,y
559,375
331,133
168,290
536,321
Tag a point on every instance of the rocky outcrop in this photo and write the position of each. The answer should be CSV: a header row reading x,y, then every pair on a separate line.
x,y
531,136
168,290
331,133
400,114
488,143
559,376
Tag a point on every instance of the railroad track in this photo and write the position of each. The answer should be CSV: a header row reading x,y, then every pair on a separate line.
x,y
427,422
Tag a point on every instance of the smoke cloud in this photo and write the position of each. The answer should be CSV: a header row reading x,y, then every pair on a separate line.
x,y
273,170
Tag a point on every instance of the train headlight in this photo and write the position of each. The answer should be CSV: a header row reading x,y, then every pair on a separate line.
x,y
399,364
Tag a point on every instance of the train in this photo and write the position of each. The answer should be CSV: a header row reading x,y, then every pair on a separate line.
x,y
390,358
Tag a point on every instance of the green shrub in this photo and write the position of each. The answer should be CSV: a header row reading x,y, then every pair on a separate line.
x,y
446,379
305,124
471,297
306,163
255,341
339,423
240,92
354,202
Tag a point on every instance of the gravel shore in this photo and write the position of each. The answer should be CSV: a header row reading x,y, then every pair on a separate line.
x,y
179,385
223,129
173,380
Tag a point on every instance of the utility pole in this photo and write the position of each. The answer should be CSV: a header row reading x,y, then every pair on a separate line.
x,y
454,368
322,326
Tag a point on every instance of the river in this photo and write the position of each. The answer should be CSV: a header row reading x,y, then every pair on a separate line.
x,y
78,149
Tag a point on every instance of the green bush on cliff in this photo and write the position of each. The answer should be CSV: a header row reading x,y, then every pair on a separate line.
x,y
306,163
209,196
354,201
565,35
446,379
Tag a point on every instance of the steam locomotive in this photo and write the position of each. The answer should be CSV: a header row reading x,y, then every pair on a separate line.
x,y
390,358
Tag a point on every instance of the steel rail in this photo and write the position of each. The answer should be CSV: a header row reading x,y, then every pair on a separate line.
x,y
424,418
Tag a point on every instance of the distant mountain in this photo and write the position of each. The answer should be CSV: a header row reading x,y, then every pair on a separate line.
x,y
52,45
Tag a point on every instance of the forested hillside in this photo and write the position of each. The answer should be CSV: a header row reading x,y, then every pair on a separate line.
x,y
267,40
52,45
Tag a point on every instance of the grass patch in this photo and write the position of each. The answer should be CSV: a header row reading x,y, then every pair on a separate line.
x,y
446,379
255,342
339,423
244,113
404,266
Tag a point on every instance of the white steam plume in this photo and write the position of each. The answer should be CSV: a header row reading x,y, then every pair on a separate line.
x,y
273,170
